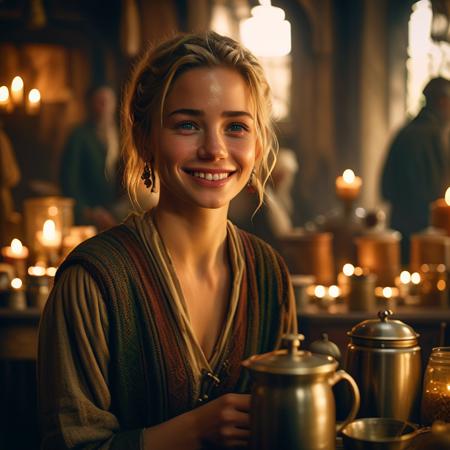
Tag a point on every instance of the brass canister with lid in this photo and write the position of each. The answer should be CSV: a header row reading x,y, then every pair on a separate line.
x,y
384,358
292,404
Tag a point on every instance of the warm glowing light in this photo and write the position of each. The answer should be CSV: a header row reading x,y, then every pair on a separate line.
x,y
348,176
415,278
53,211
387,292
358,271
49,229
17,90
4,95
405,277
17,84
441,285
34,96
49,237
255,32
51,271
319,291
447,196
16,283
348,269
334,291
36,271
16,246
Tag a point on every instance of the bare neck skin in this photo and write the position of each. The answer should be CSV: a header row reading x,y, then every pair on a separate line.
x,y
195,237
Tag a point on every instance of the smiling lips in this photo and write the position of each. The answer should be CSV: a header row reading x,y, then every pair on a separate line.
x,y
209,175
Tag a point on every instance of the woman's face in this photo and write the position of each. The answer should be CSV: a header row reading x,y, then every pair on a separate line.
x,y
205,149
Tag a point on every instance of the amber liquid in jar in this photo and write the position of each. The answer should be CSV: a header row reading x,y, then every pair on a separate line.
x,y
436,387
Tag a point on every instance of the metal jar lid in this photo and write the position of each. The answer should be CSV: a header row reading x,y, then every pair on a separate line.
x,y
384,333
289,360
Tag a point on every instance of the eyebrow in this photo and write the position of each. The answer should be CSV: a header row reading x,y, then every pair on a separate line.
x,y
198,112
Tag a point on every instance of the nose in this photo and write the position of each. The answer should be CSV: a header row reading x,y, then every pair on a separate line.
x,y
212,147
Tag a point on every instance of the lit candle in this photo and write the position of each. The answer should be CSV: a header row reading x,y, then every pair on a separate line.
x,y
440,213
33,101
17,90
348,185
17,299
343,278
5,104
49,237
403,283
16,254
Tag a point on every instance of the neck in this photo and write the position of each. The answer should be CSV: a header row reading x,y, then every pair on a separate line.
x,y
195,237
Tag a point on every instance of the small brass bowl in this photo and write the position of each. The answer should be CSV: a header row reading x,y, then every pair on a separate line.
x,y
378,433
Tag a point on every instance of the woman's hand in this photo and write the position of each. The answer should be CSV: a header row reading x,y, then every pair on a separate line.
x,y
225,421
221,423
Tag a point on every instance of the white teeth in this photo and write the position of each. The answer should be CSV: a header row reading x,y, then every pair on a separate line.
x,y
210,176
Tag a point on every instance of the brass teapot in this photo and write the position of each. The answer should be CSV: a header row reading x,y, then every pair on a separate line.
x,y
292,404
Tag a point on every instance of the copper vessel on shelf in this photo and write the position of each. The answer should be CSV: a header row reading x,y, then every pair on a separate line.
x,y
309,253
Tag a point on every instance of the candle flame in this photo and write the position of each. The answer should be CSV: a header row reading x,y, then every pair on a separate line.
x,y
16,246
447,196
348,176
4,94
348,269
16,283
49,230
51,271
415,278
405,277
37,271
334,291
319,291
17,84
34,96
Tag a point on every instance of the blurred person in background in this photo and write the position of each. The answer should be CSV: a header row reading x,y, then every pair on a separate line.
x,y
90,170
417,167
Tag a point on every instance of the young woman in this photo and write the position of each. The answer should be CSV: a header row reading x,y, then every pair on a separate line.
x,y
142,337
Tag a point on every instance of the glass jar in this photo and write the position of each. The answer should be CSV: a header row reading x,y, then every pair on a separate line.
x,y
436,387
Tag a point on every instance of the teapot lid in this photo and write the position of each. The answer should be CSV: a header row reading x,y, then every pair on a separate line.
x,y
384,332
324,346
289,360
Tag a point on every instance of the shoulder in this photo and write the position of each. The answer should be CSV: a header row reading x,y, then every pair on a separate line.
x,y
260,252
105,256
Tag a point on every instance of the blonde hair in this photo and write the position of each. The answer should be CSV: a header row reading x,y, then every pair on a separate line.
x,y
150,84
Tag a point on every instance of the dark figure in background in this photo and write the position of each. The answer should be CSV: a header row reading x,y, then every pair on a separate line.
x,y
89,165
416,170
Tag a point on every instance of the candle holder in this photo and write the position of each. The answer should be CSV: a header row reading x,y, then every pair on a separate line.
x,y
16,255
361,296
45,238
433,288
436,387
17,298
346,222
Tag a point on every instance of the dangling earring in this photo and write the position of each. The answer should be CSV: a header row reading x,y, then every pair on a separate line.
x,y
148,177
251,182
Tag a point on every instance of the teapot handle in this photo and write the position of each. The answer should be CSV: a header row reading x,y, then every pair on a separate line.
x,y
343,375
